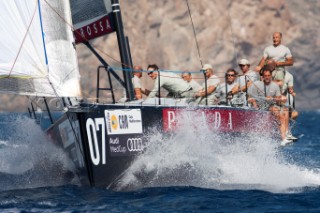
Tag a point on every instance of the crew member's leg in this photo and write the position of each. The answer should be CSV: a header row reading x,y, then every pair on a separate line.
x,y
280,116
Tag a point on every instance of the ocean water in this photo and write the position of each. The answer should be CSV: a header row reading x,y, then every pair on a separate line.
x,y
187,172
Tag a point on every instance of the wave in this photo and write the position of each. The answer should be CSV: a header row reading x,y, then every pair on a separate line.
x,y
28,159
198,157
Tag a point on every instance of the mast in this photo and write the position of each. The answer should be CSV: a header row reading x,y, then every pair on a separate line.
x,y
123,48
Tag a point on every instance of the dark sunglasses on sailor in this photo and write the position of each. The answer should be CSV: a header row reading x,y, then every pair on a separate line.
x,y
149,73
230,75
243,65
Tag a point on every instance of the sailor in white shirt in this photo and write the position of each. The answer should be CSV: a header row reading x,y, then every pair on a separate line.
x,y
248,76
288,92
280,54
136,81
194,84
172,82
212,83
228,89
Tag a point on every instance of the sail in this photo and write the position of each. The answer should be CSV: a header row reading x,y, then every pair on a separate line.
x,y
91,19
36,45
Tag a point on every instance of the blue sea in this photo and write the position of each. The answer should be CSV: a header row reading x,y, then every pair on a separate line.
x,y
249,175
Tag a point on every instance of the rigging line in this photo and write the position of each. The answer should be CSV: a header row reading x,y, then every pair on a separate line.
x,y
68,117
232,35
109,56
54,90
194,33
23,40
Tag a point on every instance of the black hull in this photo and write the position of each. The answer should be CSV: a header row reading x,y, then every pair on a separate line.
x,y
103,147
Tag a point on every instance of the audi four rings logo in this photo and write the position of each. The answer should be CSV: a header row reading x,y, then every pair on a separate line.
x,y
134,144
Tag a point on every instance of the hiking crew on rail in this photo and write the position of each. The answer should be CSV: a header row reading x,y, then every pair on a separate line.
x,y
275,92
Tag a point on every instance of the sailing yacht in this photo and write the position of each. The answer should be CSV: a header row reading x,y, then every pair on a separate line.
x,y
39,37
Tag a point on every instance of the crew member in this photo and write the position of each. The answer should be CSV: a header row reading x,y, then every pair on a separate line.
x,y
172,82
266,95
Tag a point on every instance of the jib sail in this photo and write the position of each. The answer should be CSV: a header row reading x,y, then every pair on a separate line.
x,y
37,52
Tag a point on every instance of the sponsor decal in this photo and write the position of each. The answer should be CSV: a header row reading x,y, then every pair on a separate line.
x,y
97,28
218,119
118,149
101,145
115,147
114,141
123,121
91,18
114,122
125,145
134,144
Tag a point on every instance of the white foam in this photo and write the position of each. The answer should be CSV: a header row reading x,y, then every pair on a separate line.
x,y
28,150
199,157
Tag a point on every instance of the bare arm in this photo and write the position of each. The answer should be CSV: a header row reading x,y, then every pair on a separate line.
x,y
210,90
288,62
261,64
138,93
235,89
244,88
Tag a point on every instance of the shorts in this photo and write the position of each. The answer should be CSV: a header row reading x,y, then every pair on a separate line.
x,y
278,74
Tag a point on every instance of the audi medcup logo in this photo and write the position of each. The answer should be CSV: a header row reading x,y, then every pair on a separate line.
x,y
134,144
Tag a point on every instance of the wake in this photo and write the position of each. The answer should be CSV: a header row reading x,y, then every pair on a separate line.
x,y
28,159
197,156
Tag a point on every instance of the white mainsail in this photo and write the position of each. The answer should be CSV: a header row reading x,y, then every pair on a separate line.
x,y
37,56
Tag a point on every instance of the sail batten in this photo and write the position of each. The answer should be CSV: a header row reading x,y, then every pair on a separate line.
x,y
36,45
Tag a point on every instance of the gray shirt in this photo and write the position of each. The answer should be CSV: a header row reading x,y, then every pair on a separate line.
x,y
258,90
278,53
222,91
195,85
212,99
288,82
249,76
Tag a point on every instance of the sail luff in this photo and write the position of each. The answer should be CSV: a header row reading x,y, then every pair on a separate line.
x,y
17,42
31,44
44,44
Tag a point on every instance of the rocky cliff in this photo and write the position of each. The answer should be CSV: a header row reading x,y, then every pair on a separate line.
x,y
161,32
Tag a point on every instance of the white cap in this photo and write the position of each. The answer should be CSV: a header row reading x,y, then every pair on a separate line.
x,y
207,66
244,62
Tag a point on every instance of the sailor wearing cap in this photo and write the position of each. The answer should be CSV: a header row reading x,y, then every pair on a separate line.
x,y
248,76
212,82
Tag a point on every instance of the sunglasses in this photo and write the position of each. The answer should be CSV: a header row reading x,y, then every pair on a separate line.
x,y
149,73
228,75
243,65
